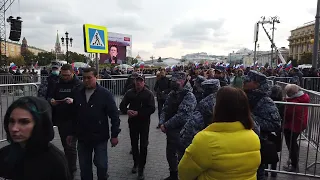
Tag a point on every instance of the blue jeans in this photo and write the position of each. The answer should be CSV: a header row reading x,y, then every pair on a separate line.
x,y
100,160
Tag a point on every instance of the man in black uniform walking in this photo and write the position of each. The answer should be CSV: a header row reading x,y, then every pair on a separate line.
x,y
141,106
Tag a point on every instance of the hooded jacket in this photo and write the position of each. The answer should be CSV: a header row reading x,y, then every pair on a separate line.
x,y
39,160
296,117
184,109
264,111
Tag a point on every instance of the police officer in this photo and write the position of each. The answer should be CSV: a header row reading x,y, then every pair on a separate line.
x,y
202,116
177,109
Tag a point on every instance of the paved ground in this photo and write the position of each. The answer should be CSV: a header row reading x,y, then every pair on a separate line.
x,y
120,161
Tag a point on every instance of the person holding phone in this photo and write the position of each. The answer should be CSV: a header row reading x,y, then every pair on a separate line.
x,y
61,102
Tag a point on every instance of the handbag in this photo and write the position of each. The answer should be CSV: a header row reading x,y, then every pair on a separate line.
x,y
268,152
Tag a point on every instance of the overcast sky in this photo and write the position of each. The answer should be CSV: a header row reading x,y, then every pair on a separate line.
x,y
166,28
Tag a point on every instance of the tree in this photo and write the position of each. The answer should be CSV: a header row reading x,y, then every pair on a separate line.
x,y
29,57
294,63
290,58
159,59
73,56
45,58
129,60
306,58
134,61
17,60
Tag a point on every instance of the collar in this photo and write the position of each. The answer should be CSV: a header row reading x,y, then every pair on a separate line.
x,y
298,94
96,89
225,126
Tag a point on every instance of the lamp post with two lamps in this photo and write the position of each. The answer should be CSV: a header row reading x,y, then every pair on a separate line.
x,y
67,42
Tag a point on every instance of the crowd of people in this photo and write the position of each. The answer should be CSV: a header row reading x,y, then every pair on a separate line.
x,y
217,126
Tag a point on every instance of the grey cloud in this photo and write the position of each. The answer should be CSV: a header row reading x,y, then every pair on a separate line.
x,y
127,21
163,43
129,5
61,18
197,30
194,33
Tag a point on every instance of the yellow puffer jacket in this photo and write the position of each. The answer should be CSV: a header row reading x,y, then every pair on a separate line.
x,y
222,151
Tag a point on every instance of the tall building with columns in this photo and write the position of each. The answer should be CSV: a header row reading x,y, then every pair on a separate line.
x,y
301,40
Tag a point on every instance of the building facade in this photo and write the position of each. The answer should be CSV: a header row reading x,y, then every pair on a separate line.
x,y
264,57
301,40
15,49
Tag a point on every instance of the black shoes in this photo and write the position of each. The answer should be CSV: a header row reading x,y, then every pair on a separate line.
x,y
134,170
140,175
173,176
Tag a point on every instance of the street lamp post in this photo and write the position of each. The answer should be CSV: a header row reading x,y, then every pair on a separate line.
x,y
68,42
315,62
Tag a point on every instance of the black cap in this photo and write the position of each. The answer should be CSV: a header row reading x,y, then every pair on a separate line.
x,y
140,76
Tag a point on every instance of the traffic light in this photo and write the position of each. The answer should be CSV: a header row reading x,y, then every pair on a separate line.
x,y
15,29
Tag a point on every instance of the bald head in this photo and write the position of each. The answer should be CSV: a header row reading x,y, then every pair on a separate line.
x,y
292,89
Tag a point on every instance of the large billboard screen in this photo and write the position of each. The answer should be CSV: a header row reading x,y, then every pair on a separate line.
x,y
120,47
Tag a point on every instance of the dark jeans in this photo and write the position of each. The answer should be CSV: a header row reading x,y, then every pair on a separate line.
x,y
172,149
160,106
139,130
100,160
293,147
69,151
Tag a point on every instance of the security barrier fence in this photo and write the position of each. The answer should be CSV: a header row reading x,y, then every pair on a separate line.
x,y
308,141
291,143
11,92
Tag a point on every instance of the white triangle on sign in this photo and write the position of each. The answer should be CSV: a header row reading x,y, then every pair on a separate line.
x,y
96,40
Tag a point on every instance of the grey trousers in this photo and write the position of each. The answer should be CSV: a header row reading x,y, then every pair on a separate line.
x,y
172,149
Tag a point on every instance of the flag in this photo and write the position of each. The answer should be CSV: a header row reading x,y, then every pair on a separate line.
x,y
280,65
13,66
36,65
289,65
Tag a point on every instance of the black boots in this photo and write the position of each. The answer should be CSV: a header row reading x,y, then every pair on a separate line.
x,y
140,174
173,176
134,169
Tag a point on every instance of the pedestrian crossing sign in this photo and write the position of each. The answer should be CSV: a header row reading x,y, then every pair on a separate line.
x,y
95,39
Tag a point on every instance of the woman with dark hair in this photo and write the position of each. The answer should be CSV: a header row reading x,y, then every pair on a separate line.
x,y
30,155
228,148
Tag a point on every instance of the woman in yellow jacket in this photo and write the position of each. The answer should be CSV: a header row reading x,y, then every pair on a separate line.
x,y
228,149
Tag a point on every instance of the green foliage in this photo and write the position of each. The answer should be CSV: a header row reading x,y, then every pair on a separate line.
x,y
129,60
134,61
17,60
75,57
29,57
294,63
45,58
306,58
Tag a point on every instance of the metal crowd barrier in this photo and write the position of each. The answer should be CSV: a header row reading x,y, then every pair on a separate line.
x,y
10,93
307,142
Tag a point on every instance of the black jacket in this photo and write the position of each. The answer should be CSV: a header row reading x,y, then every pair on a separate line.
x,y
52,80
142,101
162,87
90,119
39,160
61,112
